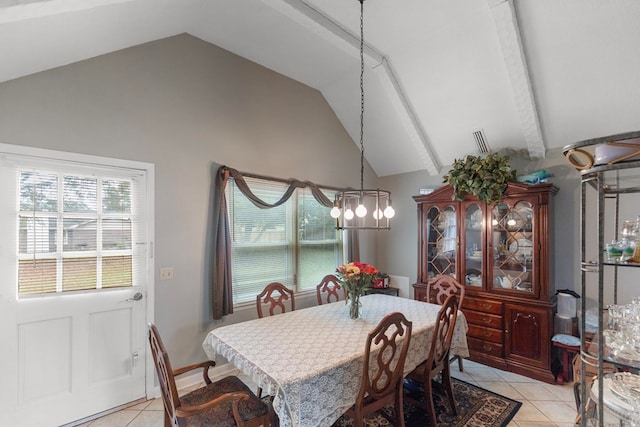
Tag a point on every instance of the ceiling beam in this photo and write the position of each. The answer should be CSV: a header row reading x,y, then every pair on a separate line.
x,y
331,31
508,31
38,9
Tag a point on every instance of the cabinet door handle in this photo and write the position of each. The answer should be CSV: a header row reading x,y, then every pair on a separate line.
x,y
487,333
506,331
486,347
485,305
486,320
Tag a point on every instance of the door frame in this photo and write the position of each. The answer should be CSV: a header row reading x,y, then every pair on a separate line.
x,y
149,168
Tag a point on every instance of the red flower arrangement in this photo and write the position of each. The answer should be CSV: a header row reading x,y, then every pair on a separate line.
x,y
356,277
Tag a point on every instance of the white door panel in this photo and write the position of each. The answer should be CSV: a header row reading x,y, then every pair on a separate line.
x,y
84,353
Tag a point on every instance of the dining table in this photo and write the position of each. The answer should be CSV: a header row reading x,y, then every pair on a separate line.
x,y
310,360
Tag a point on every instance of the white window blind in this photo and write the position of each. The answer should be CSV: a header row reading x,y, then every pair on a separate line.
x,y
295,243
79,227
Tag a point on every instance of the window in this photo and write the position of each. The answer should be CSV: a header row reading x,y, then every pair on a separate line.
x,y
78,227
295,243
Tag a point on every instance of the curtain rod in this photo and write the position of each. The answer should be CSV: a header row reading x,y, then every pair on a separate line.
x,y
286,181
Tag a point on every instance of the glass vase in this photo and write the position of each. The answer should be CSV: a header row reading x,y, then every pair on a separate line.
x,y
355,306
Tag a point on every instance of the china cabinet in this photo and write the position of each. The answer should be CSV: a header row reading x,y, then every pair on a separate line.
x,y
502,253
606,188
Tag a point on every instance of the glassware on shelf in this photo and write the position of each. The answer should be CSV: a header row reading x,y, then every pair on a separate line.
x,y
630,241
624,250
622,336
614,251
626,386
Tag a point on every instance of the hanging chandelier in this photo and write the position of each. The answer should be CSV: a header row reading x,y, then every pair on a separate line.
x,y
362,209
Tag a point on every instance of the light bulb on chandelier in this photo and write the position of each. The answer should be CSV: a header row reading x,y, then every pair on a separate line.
x,y
348,214
361,211
335,211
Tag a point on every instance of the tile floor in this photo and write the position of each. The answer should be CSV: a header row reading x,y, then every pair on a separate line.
x,y
542,404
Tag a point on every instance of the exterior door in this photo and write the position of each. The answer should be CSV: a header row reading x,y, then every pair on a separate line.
x,y
73,292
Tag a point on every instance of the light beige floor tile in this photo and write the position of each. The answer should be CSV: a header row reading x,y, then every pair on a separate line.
x,y
148,419
511,377
535,391
140,406
556,411
528,412
155,405
483,374
562,392
117,419
502,388
471,364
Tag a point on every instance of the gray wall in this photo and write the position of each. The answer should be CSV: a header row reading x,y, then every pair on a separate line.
x,y
183,105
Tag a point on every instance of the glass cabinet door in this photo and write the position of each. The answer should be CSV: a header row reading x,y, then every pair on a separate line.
x,y
473,244
513,246
441,241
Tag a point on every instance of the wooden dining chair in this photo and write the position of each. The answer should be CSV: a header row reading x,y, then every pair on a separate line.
x,y
439,289
331,289
382,373
438,360
275,295
226,402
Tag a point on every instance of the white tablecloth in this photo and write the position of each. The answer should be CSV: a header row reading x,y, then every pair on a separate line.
x,y
311,359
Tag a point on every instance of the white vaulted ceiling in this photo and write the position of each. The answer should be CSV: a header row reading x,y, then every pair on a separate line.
x,y
532,74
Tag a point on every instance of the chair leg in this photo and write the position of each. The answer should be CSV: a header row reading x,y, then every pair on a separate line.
x,y
448,385
358,418
428,400
399,407
274,421
460,363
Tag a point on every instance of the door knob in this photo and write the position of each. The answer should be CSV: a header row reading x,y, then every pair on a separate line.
x,y
136,297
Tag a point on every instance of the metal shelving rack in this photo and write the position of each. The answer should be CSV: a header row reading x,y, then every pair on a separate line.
x,y
610,181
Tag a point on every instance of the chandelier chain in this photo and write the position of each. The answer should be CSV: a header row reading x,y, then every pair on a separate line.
x,y
367,201
361,94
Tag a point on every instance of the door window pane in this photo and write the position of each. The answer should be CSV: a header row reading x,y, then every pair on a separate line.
x,y
80,194
38,192
82,244
37,276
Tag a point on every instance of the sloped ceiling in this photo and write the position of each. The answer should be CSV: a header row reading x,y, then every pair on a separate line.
x,y
530,74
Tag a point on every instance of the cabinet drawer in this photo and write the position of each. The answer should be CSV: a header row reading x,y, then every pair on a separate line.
x,y
483,319
485,347
487,334
482,304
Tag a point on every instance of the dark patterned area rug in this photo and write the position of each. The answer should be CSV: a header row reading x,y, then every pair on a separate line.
x,y
476,407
